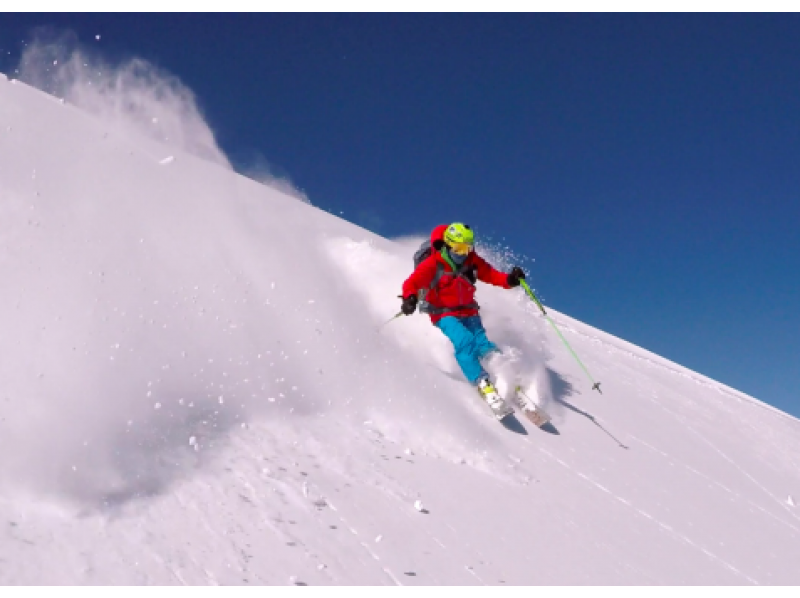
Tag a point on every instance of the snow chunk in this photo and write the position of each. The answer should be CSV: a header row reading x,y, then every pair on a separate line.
x,y
790,501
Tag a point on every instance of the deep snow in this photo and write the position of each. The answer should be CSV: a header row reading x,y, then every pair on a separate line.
x,y
195,387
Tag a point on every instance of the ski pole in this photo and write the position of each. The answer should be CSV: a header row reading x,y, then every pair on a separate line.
x,y
532,295
595,385
394,317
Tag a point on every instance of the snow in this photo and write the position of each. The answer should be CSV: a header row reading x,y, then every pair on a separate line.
x,y
197,389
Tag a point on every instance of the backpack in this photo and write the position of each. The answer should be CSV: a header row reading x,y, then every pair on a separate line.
x,y
423,253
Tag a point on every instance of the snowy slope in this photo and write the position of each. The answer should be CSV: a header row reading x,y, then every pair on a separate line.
x,y
194,388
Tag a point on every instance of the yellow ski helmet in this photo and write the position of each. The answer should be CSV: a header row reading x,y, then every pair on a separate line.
x,y
459,238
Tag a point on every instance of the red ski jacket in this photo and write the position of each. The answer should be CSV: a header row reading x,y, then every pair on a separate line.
x,y
452,295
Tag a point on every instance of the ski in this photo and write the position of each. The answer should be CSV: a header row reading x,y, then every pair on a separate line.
x,y
501,412
494,401
535,414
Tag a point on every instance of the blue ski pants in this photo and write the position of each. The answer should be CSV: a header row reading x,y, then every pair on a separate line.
x,y
469,340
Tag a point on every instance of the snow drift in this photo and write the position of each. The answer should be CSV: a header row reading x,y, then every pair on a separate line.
x,y
195,387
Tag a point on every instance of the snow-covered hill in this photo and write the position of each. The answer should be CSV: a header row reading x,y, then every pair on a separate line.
x,y
195,388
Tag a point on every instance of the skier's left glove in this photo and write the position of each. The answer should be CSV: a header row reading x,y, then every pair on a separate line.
x,y
409,305
515,276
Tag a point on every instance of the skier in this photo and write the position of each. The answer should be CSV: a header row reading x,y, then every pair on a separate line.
x,y
447,277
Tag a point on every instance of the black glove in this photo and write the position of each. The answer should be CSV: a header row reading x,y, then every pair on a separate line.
x,y
515,276
409,305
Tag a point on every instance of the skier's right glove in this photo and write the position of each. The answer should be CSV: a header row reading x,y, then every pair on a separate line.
x,y
515,276
409,305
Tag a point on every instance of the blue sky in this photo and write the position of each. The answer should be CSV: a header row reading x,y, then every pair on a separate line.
x,y
650,164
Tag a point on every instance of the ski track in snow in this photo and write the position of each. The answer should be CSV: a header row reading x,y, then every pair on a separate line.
x,y
702,438
718,484
747,475
649,517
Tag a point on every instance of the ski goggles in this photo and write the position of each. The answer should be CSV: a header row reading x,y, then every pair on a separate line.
x,y
460,248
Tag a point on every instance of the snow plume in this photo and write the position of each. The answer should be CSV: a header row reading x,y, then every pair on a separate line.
x,y
132,96
128,390
255,166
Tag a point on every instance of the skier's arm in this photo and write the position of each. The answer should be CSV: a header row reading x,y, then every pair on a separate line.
x,y
486,273
421,278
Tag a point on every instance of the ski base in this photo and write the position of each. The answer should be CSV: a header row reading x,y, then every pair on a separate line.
x,y
535,414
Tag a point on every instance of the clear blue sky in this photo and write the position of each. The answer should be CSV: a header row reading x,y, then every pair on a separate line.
x,y
649,163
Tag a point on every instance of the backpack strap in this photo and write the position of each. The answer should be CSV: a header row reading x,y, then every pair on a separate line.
x,y
457,271
436,277
424,306
437,311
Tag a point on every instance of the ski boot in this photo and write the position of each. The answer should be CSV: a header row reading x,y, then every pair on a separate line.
x,y
493,399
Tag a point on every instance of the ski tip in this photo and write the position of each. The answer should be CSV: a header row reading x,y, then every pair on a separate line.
x,y
538,418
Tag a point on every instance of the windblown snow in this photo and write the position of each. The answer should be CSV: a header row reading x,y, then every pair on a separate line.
x,y
196,387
